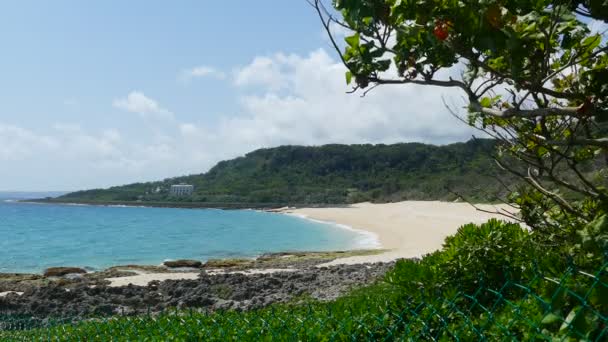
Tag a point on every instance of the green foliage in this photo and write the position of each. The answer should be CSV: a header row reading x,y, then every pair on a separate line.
x,y
477,255
488,254
331,174
494,280
496,36
591,243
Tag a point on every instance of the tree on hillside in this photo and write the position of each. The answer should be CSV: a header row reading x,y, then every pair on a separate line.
x,y
533,74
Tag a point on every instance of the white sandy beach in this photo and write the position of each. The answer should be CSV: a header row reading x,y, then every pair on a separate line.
x,y
407,229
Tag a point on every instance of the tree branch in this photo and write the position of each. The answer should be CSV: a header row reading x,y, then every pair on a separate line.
x,y
526,113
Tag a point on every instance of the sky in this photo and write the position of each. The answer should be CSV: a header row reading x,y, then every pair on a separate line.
x,y
95,94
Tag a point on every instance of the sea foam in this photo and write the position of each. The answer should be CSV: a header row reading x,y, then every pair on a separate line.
x,y
366,240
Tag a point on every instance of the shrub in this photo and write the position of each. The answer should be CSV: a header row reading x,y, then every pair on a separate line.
x,y
489,253
477,255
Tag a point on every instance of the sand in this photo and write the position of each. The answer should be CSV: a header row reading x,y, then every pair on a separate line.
x,y
407,229
144,278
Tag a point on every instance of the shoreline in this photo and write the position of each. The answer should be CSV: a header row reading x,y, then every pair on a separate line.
x,y
408,229
403,230
222,284
174,205
370,240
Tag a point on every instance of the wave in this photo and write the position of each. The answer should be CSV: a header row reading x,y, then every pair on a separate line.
x,y
366,240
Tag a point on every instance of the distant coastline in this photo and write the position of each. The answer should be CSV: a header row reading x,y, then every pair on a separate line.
x,y
186,205
176,204
314,175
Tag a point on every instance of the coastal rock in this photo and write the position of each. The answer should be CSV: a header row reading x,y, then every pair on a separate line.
x,y
210,292
183,263
61,271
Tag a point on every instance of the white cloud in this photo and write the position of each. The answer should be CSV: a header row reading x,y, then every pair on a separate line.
x,y
263,71
301,99
17,143
201,72
137,102
313,107
598,26
188,129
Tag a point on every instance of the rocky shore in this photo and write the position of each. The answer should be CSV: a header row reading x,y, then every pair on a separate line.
x,y
220,284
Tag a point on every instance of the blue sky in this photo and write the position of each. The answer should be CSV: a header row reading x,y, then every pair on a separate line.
x,y
103,93
87,52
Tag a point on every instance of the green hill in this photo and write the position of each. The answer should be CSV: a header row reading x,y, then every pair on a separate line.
x,y
330,174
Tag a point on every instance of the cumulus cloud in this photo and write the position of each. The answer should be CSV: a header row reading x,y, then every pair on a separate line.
x,y
263,72
201,72
314,108
598,26
137,102
73,158
17,143
297,99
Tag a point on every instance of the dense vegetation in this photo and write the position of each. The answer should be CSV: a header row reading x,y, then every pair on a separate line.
x,y
331,174
490,282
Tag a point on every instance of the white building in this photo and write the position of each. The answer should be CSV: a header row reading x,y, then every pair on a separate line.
x,y
181,190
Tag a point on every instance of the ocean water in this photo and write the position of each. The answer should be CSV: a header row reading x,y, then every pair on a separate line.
x,y
36,236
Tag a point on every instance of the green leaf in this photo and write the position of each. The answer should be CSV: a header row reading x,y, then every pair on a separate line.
x,y
352,41
486,102
349,77
575,321
550,318
591,42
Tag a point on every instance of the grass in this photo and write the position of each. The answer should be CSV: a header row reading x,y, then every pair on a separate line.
x,y
361,315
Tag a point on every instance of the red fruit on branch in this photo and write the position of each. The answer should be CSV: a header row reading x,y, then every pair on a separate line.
x,y
441,32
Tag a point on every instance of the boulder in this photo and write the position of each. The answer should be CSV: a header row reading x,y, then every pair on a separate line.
x,y
183,263
61,271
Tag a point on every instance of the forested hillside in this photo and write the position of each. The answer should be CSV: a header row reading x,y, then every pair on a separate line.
x,y
331,174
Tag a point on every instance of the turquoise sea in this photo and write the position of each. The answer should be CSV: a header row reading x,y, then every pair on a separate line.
x,y
37,236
